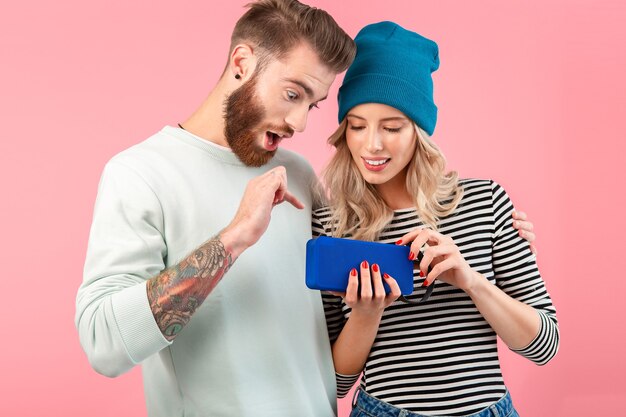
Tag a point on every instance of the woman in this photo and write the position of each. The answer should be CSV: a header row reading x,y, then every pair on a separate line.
x,y
387,182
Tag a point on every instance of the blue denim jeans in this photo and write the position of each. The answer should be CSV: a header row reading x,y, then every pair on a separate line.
x,y
364,405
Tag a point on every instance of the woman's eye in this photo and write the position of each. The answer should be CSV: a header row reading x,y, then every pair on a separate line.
x,y
392,129
352,127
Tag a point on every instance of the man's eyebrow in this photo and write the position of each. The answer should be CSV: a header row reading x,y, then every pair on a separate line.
x,y
307,90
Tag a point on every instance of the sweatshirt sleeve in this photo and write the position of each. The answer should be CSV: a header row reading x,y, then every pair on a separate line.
x,y
517,275
126,248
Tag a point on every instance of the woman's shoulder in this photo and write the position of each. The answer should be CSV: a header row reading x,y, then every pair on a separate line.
x,y
472,183
472,187
477,194
480,194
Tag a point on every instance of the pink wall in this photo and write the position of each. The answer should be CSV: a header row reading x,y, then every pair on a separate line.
x,y
531,93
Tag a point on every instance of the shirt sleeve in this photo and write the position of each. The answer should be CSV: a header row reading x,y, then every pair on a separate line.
x,y
517,275
116,326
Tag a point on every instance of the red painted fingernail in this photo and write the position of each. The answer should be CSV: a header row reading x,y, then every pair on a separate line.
x,y
364,264
386,275
399,242
353,272
422,274
425,283
411,256
375,268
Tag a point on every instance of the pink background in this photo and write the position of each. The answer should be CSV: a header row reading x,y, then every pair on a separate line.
x,y
531,93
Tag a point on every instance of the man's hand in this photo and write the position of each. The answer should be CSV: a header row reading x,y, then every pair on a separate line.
x,y
254,213
524,228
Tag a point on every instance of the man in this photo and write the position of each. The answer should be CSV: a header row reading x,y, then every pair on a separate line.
x,y
258,345
179,210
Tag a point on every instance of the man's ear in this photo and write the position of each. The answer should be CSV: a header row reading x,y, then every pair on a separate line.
x,y
243,61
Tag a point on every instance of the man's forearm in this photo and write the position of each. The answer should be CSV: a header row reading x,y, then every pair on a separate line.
x,y
177,292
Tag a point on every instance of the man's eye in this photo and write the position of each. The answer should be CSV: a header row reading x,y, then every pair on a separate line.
x,y
292,95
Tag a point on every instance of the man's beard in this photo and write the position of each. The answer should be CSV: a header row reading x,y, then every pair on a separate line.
x,y
243,114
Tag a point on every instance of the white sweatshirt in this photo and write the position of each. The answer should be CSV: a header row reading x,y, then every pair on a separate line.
x,y
258,345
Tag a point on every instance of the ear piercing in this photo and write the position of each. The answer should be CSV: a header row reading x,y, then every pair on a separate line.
x,y
237,76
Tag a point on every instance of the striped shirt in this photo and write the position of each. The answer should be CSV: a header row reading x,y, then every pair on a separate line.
x,y
440,357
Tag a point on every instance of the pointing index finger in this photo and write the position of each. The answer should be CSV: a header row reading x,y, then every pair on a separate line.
x,y
293,200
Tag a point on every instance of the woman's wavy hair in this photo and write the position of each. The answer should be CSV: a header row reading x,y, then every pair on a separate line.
x,y
360,212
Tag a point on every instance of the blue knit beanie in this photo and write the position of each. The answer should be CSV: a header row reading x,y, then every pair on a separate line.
x,y
392,66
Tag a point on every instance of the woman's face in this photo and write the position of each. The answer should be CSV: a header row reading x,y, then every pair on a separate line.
x,y
382,142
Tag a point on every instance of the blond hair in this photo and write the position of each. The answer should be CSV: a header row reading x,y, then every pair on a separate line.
x,y
360,212
274,27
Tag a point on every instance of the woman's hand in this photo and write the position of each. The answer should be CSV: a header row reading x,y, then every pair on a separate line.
x,y
353,345
444,258
372,300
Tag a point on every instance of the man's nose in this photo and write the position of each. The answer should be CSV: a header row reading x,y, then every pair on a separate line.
x,y
296,119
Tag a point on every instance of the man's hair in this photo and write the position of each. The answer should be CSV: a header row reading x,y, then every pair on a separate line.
x,y
274,27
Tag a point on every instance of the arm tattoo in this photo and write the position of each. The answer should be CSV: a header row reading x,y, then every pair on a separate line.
x,y
177,292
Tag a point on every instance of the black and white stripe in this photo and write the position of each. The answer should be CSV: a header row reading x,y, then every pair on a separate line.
x,y
440,357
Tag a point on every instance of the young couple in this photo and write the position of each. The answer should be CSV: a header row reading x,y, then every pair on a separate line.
x,y
225,326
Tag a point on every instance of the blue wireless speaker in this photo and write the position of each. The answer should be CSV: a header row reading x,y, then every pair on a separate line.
x,y
330,259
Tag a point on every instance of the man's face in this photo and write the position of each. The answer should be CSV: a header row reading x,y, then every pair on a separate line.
x,y
274,103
